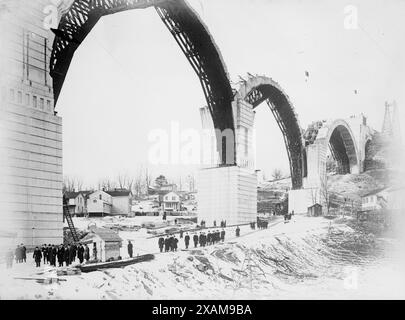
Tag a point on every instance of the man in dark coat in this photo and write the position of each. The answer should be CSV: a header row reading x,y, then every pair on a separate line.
x,y
23,253
37,256
86,253
44,250
237,231
61,255
74,252
167,244
175,242
200,239
209,238
52,256
214,237
195,239
49,253
66,255
130,248
223,235
171,243
187,240
204,239
80,253
161,243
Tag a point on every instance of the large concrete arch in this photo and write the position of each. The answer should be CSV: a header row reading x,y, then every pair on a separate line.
x,y
338,136
184,24
261,88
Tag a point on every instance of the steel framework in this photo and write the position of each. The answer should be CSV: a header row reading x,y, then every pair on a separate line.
x,y
287,121
183,23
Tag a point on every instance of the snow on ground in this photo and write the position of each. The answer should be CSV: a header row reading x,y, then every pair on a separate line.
x,y
306,258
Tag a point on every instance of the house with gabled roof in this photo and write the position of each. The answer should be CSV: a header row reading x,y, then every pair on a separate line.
x,y
121,201
77,202
106,242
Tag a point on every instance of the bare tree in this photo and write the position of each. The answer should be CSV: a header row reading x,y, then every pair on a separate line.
x,y
148,180
325,192
138,183
106,184
125,181
277,174
71,184
68,184
191,182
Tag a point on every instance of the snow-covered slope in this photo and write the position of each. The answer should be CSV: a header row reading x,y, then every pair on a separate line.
x,y
306,258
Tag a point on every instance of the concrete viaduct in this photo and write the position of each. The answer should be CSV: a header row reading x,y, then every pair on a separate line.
x,y
35,60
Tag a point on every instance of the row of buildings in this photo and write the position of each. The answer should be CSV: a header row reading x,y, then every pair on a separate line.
x,y
99,203
123,202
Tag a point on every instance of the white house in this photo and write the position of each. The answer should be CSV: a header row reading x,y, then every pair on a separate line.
x,y
77,202
121,201
375,200
171,202
99,203
106,242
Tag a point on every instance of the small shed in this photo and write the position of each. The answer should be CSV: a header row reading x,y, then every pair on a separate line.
x,y
315,210
104,244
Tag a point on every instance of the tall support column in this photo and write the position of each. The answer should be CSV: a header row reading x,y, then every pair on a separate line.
x,y
230,192
31,143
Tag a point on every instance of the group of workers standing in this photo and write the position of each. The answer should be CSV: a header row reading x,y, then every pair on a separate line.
x,y
170,243
62,254
19,254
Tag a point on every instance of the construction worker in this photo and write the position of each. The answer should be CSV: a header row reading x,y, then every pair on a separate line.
x,y
61,255
23,253
37,257
175,242
195,239
187,240
130,249
161,243
80,253
167,244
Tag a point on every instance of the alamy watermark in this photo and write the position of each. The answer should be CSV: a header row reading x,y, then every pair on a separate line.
x,y
351,17
201,147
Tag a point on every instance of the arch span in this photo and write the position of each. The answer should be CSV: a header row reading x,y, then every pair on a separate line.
x,y
260,88
338,136
184,24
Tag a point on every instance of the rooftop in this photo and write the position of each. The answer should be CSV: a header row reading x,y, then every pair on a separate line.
x,y
106,235
119,193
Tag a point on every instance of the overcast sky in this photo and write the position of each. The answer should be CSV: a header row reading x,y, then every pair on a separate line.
x,y
129,76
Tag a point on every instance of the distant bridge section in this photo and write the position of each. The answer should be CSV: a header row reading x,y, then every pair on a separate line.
x,y
345,138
